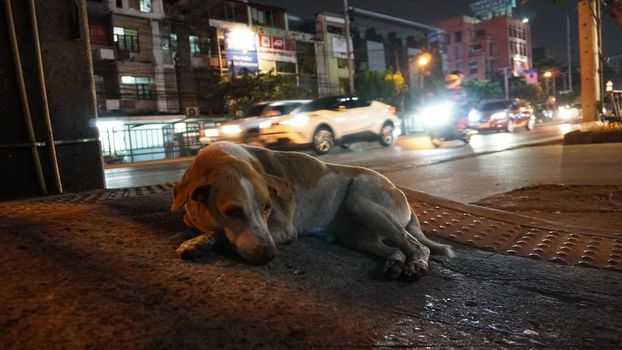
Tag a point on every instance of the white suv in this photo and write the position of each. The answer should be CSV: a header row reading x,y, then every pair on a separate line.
x,y
327,121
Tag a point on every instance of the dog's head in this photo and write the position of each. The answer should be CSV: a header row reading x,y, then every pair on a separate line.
x,y
232,197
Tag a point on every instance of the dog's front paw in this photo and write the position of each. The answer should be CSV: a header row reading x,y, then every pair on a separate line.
x,y
415,269
195,247
394,266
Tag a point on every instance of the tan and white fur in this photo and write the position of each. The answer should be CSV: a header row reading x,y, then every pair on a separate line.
x,y
256,198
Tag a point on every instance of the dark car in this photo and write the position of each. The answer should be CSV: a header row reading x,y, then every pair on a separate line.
x,y
505,115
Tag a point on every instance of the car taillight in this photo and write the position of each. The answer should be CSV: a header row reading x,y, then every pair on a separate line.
x,y
392,109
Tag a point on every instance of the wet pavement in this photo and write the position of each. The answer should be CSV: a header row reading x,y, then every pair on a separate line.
x,y
99,270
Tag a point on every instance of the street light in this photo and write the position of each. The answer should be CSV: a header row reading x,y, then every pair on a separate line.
x,y
548,74
423,60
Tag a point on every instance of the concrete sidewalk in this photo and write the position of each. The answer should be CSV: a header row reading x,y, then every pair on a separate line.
x,y
98,270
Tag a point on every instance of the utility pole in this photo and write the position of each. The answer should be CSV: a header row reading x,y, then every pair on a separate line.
x,y
569,52
506,84
346,16
589,53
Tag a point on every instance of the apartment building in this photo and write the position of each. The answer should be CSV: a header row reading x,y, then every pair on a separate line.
x,y
132,64
482,48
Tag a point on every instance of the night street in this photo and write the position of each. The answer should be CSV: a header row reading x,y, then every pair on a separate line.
x,y
335,174
408,152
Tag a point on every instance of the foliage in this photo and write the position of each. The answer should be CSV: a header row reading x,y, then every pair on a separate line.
x,y
520,89
389,87
477,90
242,90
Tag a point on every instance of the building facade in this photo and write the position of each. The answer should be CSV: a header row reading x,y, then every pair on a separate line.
x,y
483,48
155,57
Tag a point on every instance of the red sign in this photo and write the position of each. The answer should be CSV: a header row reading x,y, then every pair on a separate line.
x,y
278,43
277,48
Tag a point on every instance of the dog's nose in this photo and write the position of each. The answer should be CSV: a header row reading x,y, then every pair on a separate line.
x,y
262,255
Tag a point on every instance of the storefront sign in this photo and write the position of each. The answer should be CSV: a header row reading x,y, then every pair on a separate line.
x,y
340,47
241,49
276,48
531,76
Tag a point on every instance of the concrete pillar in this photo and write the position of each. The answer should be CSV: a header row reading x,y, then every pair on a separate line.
x,y
589,16
63,32
183,66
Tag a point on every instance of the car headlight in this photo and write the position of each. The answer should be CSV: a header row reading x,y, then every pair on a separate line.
x,y
437,114
211,132
564,112
297,120
474,116
230,129
265,124
499,115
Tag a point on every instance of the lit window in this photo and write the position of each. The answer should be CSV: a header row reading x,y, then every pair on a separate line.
x,y
199,45
145,87
126,39
140,5
145,5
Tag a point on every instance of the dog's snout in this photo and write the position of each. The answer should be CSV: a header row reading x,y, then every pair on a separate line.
x,y
261,254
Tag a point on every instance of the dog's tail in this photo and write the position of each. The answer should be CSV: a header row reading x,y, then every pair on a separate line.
x,y
414,229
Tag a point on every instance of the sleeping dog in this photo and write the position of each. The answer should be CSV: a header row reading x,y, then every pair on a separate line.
x,y
254,199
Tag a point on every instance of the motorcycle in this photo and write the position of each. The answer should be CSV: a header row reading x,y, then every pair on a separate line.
x,y
444,122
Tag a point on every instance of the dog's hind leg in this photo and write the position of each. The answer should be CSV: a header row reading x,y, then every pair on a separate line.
x,y
414,228
381,224
365,242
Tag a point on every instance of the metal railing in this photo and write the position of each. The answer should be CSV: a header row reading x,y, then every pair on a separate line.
x,y
141,142
615,105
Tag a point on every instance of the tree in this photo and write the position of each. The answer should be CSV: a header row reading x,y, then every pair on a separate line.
x,y
520,89
389,87
477,90
241,90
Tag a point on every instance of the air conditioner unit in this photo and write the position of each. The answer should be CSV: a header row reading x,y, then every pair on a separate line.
x,y
192,111
106,54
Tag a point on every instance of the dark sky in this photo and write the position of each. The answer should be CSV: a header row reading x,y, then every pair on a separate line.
x,y
548,21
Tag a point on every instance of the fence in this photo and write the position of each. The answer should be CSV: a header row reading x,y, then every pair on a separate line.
x,y
614,100
140,142
410,124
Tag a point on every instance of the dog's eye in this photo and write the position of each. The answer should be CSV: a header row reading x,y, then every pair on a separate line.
x,y
234,213
267,207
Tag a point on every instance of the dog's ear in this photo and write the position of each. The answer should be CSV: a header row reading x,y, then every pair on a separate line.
x,y
180,195
200,192
182,191
280,186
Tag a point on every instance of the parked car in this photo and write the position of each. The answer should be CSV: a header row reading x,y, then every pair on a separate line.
x,y
246,129
334,120
504,115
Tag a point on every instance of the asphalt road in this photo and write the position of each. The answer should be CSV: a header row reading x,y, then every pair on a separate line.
x,y
409,152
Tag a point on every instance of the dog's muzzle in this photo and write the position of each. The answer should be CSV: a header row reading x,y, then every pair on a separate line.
x,y
257,251
259,255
